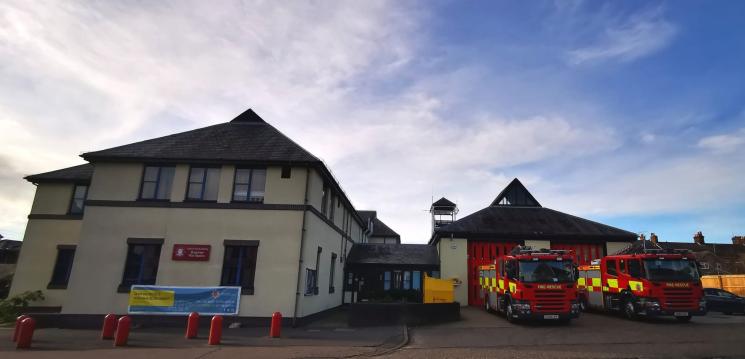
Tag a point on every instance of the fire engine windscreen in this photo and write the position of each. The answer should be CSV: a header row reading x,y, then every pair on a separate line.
x,y
546,271
671,269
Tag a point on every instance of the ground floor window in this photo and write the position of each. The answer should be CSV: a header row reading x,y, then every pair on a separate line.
x,y
311,281
62,267
141,266
239,265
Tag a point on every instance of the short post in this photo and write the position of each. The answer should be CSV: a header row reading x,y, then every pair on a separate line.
x,y
122,331
26,333
192,325
18,326
215,330
276,328
109,327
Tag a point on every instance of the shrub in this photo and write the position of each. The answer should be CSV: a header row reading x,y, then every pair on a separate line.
x,y
10,308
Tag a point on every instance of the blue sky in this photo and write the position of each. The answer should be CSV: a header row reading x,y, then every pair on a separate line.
x,y
630,113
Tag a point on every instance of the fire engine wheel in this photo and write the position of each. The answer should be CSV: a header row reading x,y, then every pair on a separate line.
x,y
583,304
684,319
629,310
487,307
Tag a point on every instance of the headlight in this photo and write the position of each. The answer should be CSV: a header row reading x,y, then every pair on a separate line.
x,y
520,305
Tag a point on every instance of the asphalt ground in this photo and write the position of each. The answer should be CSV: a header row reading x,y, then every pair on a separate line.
x,y
477,335
593,335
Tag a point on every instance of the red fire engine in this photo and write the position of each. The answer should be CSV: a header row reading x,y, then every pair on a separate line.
x,y
652,282
531,284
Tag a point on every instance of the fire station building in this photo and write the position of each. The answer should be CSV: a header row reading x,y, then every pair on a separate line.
x,y
514,218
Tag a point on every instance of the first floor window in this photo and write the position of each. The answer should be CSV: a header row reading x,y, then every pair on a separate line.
x,y
62,267
311,281
78,199
141,266
239,266
203,183
249,185
156,182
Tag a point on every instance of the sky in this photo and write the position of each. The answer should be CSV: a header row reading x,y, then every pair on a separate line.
x,y
630,113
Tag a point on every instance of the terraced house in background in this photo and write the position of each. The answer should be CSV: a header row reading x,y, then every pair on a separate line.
x,y
262,212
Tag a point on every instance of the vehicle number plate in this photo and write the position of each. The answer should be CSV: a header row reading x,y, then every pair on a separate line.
x,y
551,316
680,314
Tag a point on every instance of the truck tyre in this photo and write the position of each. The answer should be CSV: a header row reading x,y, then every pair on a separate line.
x,y
487,307
687,318
509,313
583,304
628,309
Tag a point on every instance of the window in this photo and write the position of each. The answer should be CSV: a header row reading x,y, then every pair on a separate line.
x,y
156,183
635,268
203,184
611,267
311,281
407,280
239,265
622,266
286,172
416,282
332,208
324,200
141,266
387,281
333,271
62,267
79,193
397,276
350,281
249,185
311,276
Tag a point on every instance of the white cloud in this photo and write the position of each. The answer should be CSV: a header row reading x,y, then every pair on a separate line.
x,y
726,143
642,34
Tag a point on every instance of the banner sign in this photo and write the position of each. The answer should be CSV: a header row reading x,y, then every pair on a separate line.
x,y
152,299
191,252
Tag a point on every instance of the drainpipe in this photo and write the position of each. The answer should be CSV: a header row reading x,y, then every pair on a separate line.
x,y
302,246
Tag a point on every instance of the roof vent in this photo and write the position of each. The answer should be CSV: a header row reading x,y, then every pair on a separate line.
x,y
248,116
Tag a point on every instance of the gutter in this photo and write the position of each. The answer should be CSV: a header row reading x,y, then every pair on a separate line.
x,y
302,247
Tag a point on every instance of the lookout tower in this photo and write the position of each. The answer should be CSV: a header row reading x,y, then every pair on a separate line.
x,y
443,213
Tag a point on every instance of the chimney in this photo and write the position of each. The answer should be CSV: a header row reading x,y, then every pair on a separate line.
x,y
653,238
698,238
738,240
642,237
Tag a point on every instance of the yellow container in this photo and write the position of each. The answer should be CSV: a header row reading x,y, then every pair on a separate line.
x,y
734,283
438,290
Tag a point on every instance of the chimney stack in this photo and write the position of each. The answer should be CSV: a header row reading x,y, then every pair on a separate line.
x,y
653,238
738,240
698,238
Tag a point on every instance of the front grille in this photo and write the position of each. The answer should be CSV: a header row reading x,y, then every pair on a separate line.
x,y
551,301
679,298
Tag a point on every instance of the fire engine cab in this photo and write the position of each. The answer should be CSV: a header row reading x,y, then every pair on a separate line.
x,y
531,284
652,282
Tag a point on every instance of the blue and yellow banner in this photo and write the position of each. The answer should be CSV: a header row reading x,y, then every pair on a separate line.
x,y
151,299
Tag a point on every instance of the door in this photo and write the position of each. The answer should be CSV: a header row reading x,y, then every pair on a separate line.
x,y
584,253
482,253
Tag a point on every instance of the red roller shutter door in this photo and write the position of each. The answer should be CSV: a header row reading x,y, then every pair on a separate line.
x,y
482,253
583,253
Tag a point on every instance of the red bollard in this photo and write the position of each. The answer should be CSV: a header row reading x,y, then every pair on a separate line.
x,y
109,326
192,325
276,327
18,326
122,331
215,330
26,333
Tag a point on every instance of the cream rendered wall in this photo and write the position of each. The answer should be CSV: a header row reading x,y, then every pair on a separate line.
x,y
318,233
103,247
52,198
454,264
284,190
116,181
39,250
38,255
613,247
538,244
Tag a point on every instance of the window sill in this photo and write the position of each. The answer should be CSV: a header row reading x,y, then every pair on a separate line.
x,y
153,200
56,286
